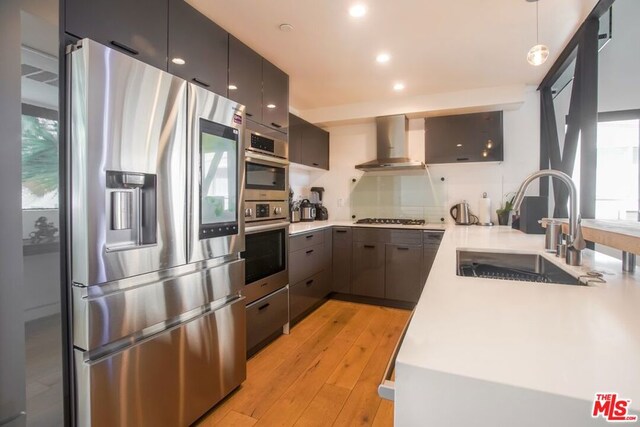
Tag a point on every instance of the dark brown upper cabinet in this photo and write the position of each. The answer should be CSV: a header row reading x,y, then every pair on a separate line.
x,y
137,28
476,137
259,85
275,97
308,144
198,48
245,78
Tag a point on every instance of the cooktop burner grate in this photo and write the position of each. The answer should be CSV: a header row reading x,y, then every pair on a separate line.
x,y
392,221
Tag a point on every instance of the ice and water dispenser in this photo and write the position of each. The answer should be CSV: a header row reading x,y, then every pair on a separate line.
x,y
132,210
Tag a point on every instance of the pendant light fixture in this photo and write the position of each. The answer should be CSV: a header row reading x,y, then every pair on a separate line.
x,y
539,53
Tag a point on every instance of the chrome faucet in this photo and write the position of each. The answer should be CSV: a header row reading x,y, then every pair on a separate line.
x,y
575,242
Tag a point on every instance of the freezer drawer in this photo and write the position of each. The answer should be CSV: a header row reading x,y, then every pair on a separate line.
x,y
120,311
267,316
171,379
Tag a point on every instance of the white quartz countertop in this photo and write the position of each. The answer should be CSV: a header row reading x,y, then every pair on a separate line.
x,y
305,227
570,341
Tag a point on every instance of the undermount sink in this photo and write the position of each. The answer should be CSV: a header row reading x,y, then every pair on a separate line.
x,y
511,266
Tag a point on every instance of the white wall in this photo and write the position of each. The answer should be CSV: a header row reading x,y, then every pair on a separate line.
x,y
354,144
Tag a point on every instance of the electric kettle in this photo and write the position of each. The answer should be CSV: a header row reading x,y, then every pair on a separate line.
x,y
462,215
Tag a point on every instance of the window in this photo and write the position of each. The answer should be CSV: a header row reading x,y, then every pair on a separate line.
x,y
617,173
39,158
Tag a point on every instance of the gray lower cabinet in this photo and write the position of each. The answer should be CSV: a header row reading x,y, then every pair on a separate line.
x,y
310,269
306,294
266,317
341,260
368,269
403,272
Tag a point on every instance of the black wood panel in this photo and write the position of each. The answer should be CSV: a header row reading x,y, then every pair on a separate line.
x,y
201,43
275,93
474,137
138,28
245,74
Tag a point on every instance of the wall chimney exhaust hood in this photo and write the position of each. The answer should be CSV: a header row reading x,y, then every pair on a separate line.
x,y
392,147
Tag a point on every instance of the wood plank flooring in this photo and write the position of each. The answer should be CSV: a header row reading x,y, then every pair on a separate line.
x,y
326,372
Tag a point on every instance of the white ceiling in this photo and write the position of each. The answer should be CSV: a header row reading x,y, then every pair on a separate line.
x,y
435,46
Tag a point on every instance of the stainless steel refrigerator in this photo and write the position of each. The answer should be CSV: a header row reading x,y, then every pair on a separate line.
x,y
156,231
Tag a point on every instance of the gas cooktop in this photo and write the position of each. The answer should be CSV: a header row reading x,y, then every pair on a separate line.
x,y
392,221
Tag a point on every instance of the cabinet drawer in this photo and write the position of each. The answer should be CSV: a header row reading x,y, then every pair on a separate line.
x,y
306,262
266,316
305,294
370,235
306,240
405,237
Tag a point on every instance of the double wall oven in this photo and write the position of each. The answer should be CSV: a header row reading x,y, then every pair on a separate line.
x,y
267,231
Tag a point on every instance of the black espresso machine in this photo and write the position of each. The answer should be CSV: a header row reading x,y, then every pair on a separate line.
x,y
322,214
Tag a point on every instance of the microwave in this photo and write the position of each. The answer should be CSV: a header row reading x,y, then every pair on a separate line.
x,y
266,177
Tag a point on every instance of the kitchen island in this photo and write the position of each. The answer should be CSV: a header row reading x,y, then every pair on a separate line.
x,y
485,352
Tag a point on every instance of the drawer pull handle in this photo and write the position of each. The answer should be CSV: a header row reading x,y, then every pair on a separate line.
x,y
200,82
248,114
263,306
275,125
310,236
309,251
124,47
264,284
341,231
369,246
400,248
316,164
309,282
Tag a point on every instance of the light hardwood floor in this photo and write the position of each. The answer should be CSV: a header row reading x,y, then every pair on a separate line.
x,y
326,372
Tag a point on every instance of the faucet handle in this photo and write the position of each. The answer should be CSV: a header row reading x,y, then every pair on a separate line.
x,y
578,241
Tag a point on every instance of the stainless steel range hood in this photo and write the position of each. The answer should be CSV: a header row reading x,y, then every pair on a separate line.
x,y
392,146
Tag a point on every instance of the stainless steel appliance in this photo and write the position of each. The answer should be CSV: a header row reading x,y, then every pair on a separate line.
x,y
158,317
307,211
265,258
262,140
267,177
462,214
322,213
266,211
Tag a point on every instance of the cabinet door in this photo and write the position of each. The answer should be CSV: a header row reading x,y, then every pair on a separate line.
x,y
275,97
245,78
137,28
368,269
342,247
201,44
315,147
403,272
296,128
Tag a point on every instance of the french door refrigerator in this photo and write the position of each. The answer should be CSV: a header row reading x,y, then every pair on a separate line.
x,y
156,181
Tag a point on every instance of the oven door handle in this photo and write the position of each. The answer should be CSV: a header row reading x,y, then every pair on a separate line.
x,y
259,228
265,159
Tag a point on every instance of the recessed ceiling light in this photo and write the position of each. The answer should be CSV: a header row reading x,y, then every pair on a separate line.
x,y
286,28
489,144
485,154
383,57
233,87
358,10
178,61
271,106
458,145
398,86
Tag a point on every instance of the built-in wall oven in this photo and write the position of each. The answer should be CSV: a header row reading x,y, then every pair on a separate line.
x,y
266,168
266,264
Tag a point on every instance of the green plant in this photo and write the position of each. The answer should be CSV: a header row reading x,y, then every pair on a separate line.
x,y
39,154
508,204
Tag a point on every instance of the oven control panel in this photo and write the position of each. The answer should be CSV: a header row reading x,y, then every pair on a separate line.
x,y
266,211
